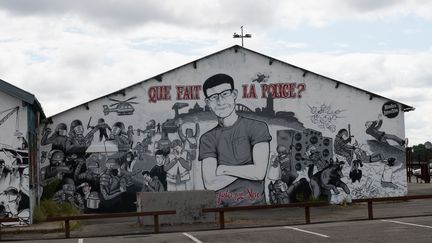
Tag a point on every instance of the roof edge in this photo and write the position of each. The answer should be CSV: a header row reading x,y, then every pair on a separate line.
x,y
159,77
21,94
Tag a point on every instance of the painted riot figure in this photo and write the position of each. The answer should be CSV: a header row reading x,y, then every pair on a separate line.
x,y
372,128
58,139
130,161
130,133
128,170
278,192
9,202
119,136
296,191
77,142
57,167
288,174
235,153
190,141
314,156
151,184
102,127
88,171
5,171
149,133
69,194
178,167
342,145
355,172
158,128
158,169
111,183
288,187
85,189
91,197
387,174
327,180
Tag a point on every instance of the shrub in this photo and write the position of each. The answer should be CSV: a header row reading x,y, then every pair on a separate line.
x,y
50,208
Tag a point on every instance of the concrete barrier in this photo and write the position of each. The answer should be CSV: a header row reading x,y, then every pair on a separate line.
x,y
188,204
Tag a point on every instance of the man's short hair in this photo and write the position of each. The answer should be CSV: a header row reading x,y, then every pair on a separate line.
x,y
216,80
163,152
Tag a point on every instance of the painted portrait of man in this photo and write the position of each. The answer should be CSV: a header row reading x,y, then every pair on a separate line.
x,y
235,153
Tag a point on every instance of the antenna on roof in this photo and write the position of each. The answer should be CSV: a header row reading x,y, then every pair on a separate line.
x,y
241,35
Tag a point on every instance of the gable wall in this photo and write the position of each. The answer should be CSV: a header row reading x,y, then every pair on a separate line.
x,y
322,111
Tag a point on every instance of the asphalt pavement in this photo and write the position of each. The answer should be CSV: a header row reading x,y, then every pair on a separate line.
x,y
416,229
250,222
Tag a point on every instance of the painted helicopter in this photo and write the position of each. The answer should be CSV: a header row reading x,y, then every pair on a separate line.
x,y
123,108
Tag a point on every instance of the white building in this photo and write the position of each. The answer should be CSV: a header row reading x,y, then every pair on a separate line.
x,y
20,115
283,134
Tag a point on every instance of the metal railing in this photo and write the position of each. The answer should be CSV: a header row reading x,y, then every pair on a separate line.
x,y
221,211
67,219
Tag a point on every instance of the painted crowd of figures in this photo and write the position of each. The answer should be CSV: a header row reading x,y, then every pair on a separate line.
x,y
103,174
322,177
14,170
107,180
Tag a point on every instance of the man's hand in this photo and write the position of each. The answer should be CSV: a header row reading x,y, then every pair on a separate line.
x,y
47,131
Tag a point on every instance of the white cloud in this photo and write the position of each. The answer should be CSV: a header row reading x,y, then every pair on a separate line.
x,y
68,52
405,77
214,14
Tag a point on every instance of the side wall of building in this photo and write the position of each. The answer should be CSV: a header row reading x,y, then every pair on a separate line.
x,y
14,159
298,136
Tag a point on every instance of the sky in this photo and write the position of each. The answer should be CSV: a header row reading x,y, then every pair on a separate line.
x,y
69,52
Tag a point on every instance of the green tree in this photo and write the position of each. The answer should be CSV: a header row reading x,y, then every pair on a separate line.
x,y
420,153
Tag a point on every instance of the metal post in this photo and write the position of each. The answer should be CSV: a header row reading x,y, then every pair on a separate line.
x,y
156,223
242,34
67,228
221,219
307,214
370,210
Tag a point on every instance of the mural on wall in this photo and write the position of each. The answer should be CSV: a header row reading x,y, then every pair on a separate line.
x,y
225,135
14,167
324,117
234,153
121,107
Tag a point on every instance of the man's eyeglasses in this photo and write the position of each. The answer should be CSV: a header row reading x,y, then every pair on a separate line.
x,y
224,94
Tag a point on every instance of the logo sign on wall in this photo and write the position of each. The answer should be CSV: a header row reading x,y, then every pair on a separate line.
x,y
390,109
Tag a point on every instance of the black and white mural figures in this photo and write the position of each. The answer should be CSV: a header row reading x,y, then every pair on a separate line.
x,y
121,107
235,153
14,166
373,129
324,117
178,167
103,128
254,137
261,78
